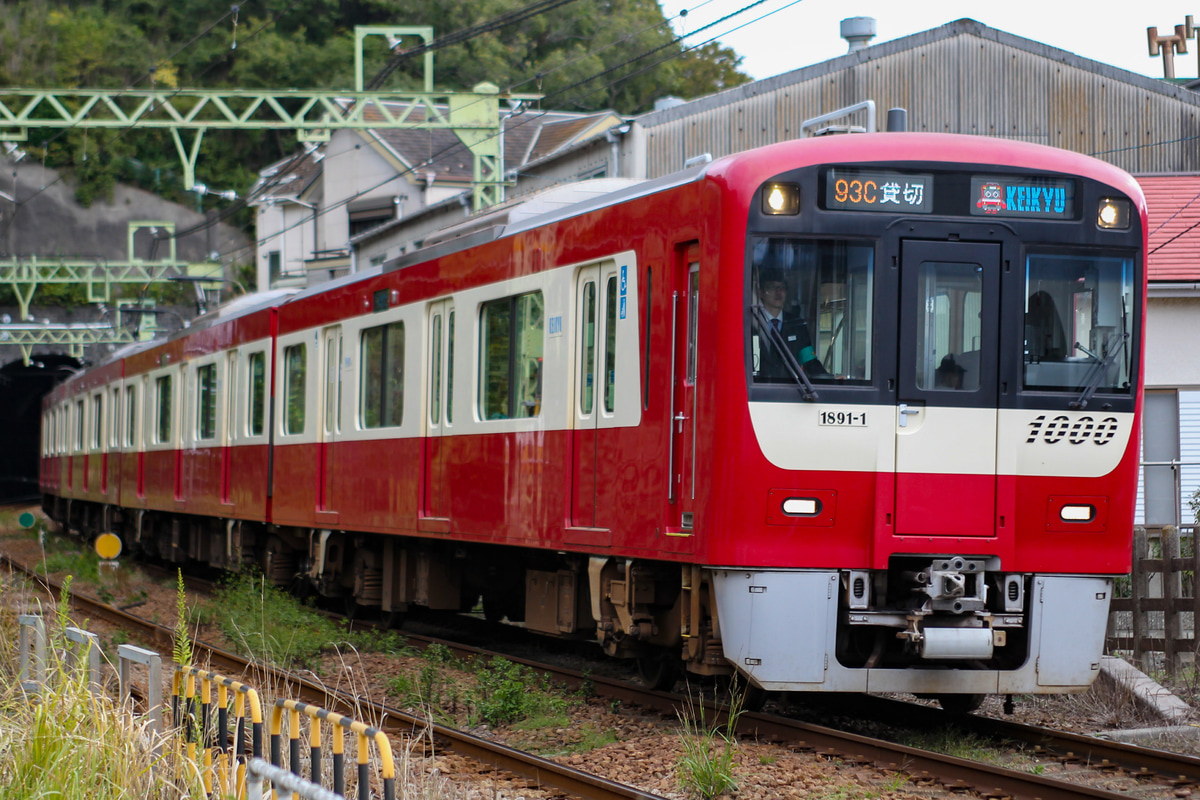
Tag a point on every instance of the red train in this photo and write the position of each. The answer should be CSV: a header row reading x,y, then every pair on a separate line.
x,y
855,413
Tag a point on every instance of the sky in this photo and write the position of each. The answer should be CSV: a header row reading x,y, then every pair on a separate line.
x,y
801,33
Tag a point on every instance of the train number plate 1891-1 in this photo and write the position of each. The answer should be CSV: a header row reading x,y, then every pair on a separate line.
x,y
856,419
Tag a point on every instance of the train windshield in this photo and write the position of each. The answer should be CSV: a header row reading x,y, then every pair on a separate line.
x,y
1078,323
812,310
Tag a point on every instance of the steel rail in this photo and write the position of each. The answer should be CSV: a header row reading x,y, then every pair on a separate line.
x,y
541,771
953,772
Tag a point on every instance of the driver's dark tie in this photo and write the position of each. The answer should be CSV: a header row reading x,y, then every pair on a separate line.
x,y
777,324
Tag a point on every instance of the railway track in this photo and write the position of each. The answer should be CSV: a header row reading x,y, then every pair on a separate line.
x,y
1169,772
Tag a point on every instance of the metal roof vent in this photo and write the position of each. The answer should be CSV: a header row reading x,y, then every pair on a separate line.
x,y
858,31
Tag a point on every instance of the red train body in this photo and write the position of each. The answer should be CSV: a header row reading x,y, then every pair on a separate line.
x,y
586,417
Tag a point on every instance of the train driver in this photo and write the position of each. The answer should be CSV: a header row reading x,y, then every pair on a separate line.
x,y
792,330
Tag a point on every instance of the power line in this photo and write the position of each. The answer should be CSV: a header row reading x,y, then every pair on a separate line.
x,y
465,34
433,158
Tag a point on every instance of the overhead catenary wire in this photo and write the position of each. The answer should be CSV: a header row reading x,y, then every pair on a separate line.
x,y
533,116
129,86
242,202
465,34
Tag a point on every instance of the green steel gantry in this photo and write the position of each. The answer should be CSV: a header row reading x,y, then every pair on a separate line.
x,y
472,116
24,275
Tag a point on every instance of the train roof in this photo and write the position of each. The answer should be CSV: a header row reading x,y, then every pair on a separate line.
x,y
544,208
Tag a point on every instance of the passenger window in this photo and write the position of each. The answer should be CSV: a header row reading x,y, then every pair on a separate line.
x,y
435,382
206,402
257,368
512,339
97,422
294,365
587,375
79,421
131,418
382,356
610,346
450,367
162,388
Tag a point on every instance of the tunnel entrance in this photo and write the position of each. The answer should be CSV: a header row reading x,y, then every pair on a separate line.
x,y
22,387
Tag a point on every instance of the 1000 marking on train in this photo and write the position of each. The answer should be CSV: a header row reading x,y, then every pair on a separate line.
x,y
1078,431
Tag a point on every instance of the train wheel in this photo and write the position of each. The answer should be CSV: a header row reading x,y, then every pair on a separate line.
x,y
658,672
392,619
755,698
960,704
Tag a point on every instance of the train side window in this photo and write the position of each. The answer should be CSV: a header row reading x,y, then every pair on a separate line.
x,y
114,419
162,390
512,332
435,376
333,380
610,345
79,425
450,367
206,402
382,357
295,362
257,368
587,375
97,422
131,415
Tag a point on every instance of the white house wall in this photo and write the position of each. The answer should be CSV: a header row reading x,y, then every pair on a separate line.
x,y
1170,323
354,170
288,230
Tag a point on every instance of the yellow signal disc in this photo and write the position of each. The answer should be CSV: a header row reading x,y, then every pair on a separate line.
x,y
108,546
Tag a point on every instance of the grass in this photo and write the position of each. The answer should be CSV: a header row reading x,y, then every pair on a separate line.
x,y
67,743
271,625
704,769
498,692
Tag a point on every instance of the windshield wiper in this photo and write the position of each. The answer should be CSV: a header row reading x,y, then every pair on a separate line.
x,y
1097,372
765,328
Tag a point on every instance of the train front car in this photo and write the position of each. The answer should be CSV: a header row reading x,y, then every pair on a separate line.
x,y
935,481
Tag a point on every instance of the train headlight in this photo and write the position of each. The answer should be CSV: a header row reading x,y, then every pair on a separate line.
x,y
1113,214
801,506
1081,513
780,199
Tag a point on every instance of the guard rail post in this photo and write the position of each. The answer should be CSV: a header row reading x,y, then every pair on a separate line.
x,y
32,636
365,736
90,643
127,656
222,765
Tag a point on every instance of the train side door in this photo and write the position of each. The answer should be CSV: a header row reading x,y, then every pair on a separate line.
x,y
597,297
439,384
685,329
583,478
228,424
329,406
947,389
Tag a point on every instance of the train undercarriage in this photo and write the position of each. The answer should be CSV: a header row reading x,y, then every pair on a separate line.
x,y
921,625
